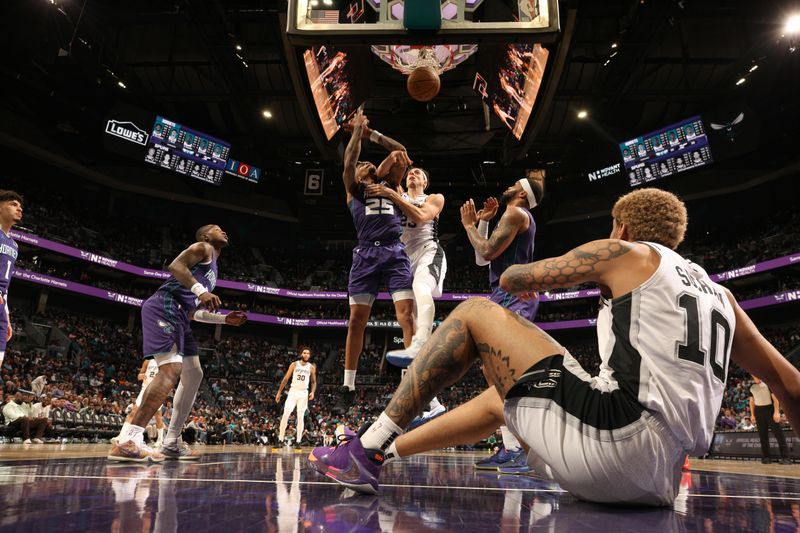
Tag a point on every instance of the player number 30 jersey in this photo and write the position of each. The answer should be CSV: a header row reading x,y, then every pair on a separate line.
x,y
301,377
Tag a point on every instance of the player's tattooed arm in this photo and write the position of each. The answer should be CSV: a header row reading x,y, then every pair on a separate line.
x,y
493,246
586,263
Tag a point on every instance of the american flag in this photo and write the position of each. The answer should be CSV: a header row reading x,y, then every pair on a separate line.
x,y
324,16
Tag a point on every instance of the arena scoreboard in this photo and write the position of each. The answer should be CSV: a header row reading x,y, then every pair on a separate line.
x,y
186,151
670,150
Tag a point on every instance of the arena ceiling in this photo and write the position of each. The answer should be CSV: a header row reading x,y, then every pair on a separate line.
x,y
634,65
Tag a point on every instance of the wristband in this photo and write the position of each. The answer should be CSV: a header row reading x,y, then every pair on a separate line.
x,y
198,289
483,228
375,136
208,318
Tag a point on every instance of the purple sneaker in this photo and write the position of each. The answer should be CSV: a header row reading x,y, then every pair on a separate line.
x,y
349,464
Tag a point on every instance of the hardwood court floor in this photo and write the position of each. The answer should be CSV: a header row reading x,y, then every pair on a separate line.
x,y
238,488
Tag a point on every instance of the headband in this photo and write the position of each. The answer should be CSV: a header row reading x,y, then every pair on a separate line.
x,y
526,186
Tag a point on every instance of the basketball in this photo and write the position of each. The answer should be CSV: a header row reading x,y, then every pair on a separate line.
x,y
423,84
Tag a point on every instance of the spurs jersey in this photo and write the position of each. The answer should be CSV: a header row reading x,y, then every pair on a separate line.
x,y
150,373
301,377
667,345
417,235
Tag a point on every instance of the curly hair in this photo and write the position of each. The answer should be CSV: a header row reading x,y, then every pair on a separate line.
x,y
652,215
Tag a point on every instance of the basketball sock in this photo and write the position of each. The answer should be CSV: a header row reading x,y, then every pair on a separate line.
x,y
425,310
350,379
391,453
122,431
191,377
381,433
510,442
434,404
134,433
160,438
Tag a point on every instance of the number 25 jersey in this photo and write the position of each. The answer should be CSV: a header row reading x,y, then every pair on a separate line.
x,y
375,218
667,345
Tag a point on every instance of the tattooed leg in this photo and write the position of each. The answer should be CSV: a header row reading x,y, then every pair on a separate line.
x,y
507,344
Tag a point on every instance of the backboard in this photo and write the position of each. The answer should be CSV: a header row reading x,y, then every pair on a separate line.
x,y
377,22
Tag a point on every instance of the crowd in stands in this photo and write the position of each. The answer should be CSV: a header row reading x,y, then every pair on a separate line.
x,y
735,411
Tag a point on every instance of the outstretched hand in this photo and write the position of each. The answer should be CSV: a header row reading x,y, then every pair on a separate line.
x,y
490,207
359,120
468,215
236,318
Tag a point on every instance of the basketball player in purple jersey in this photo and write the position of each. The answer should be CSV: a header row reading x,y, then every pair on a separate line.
x,y
168,339
10,214
511,243
379,257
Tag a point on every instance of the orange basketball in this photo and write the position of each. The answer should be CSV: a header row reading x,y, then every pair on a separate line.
x,y
423,84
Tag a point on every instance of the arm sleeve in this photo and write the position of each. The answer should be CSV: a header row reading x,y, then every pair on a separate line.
x,y
483,229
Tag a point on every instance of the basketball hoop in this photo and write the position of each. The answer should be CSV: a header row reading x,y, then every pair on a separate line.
x,y
440,58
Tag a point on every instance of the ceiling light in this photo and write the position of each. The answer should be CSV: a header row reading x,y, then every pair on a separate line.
x,y
238,46
741,81
615,53
122,84
753,68
488,162
607,62
266,113
792,24
245,64
583,113
327,2
614,45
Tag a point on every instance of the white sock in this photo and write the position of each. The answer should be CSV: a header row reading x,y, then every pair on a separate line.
x,y
350,379
434,404
391,453
160,439
134,433
425,311
122,431
381,433
191,378
510,442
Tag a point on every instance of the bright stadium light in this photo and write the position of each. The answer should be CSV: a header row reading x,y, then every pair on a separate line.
x,y
266,114
583,114
792,25
741,81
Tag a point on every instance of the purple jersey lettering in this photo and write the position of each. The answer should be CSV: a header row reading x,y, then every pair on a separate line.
x,y
8,256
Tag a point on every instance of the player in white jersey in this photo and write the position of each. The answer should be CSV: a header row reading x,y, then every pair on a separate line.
x,y
146,375
420,222
666,333
303,374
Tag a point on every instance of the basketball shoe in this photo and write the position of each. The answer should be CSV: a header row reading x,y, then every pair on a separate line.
x,y
349,464
179,450
501,457
427,416
516,465
403,358
130,452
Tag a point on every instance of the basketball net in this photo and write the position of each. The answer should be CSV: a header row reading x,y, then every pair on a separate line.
x,y
427,58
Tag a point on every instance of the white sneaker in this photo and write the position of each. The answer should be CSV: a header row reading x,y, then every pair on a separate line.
x,y
402,358
38,441
427,416
26,441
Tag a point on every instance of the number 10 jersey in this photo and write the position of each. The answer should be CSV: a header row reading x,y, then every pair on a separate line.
x,y
667,345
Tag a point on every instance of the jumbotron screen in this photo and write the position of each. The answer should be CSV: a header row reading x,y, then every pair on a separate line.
x,y
186,151
676,148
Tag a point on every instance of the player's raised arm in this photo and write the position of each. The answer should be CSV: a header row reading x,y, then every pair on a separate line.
x,y
507,228
181,266
352,153
598,261
377,137
284,381
751,351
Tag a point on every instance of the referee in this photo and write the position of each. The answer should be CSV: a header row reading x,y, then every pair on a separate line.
x,y
767,412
